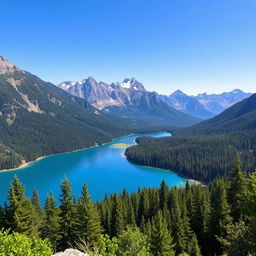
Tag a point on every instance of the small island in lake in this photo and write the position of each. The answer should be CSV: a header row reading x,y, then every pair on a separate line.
x,y
121,145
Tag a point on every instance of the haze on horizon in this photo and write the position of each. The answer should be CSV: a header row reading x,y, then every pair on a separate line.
x,y
195,46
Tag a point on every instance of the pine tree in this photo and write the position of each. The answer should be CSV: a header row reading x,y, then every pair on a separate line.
x,y
177,228
117,217
38,213
186,226
131,216
20,211
143,209
160,237
51,224
87,220
194,249
236,189
36,203
220,219
163,195
200,215
66,216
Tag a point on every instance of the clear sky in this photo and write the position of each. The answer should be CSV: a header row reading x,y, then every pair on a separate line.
x,y
192,45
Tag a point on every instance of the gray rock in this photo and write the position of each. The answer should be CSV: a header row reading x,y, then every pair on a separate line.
x,y
71,252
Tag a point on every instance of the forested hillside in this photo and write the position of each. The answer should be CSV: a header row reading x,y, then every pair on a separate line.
x,y
37,119
240,117
192,221
202,158
204,151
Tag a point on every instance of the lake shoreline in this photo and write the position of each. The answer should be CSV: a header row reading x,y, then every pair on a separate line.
x,y
102,167
25,164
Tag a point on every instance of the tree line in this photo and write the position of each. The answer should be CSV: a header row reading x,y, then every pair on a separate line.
x,y
203,158
218,219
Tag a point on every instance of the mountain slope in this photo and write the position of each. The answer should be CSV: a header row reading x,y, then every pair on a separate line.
x,y
204,151
241,117
37,118
187,104
128,99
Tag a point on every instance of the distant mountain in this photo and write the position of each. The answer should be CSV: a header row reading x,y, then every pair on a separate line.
x,y
187,104
37,118
240,117
128,99
216,103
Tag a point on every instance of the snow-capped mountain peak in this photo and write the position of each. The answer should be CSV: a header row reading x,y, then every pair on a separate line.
x,y
132,83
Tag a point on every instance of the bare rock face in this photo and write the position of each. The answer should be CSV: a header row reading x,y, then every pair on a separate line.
x,y
6,66
71,252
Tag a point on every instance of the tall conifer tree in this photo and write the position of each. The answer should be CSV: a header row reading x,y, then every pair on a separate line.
x,y
220,219
117,217
66,216
21,213
51,225
236,189
161,243
87,220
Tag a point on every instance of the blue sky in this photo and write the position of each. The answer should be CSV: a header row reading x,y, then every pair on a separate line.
x,y
192,45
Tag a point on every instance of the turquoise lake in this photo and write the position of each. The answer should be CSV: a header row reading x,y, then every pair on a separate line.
x,y
103,168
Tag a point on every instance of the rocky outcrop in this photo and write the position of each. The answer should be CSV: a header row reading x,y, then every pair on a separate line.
x,y
71,252
7,67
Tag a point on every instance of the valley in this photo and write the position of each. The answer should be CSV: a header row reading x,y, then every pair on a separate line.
x,y
104,168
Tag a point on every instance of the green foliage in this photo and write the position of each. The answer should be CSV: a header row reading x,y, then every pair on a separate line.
x,y
8,158
240,240
132,242
236,189
250,195
117,219
194,249
16,244
107,246
160,238
203,158
22,216
51,222
87,224
195,220
220,219
67,226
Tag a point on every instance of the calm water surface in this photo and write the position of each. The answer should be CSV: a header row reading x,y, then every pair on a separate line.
x,y
103,168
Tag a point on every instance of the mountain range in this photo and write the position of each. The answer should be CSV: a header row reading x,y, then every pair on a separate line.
x,y
130,99
239,118
204,105
37,118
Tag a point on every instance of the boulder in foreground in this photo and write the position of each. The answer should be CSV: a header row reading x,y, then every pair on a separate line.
x,y
71,252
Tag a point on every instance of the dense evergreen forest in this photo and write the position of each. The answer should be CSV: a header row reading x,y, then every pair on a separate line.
x,y
202,158
217,219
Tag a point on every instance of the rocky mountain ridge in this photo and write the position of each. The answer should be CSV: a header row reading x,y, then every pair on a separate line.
x,y
217,103
130,95
127,99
